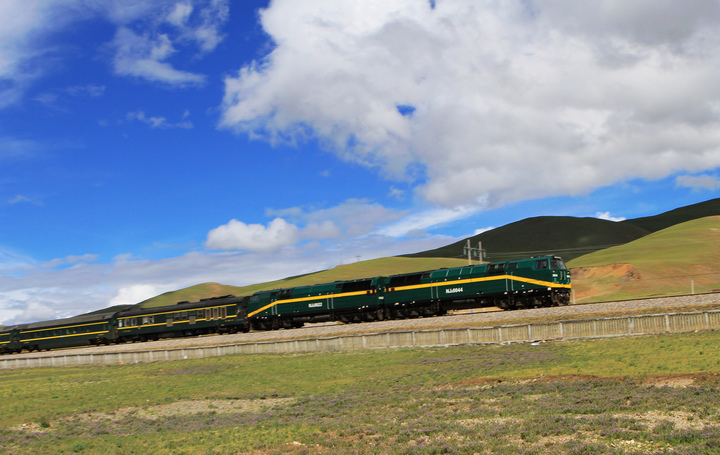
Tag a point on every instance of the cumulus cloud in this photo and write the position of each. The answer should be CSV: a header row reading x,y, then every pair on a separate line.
x,y
237,235
29,312
133,294
483,103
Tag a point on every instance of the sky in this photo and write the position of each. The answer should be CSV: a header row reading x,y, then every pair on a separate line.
x,y
147,146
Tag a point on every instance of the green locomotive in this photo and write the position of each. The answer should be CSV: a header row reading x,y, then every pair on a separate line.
x,y
524,283
344,301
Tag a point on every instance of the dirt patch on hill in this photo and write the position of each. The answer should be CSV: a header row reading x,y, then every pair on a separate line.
x,y
587,280
623,272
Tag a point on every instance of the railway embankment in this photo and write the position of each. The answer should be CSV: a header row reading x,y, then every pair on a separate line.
x,y
512,326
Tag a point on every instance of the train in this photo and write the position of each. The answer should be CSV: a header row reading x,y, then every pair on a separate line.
x,y
523,283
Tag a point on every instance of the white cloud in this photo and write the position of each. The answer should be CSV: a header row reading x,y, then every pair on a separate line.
x,y
71,260
351,218
698,182
237,235
133,294
30,312
606,216
11,261
508,101
20,199
321,231
427,219
147,37
159,122
481,230
144,56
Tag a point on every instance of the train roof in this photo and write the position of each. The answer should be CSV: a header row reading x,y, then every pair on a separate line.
x,y
88,318
182,306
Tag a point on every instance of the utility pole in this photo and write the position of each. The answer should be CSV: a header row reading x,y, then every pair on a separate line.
x,y
474,252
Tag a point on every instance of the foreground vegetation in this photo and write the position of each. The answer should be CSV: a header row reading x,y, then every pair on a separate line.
x,y
631,395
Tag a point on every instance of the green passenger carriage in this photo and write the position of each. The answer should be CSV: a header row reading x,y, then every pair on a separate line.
x,y
8,339
224,314
92,329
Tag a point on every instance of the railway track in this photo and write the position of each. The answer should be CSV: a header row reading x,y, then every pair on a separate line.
x,y
479,317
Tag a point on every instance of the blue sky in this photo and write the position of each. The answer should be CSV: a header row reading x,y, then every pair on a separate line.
x,y
147,146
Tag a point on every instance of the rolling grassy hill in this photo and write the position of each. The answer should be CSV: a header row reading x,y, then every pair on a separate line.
x,y
569,237
667,262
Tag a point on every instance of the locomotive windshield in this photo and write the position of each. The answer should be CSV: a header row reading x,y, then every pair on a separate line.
x,y
554,264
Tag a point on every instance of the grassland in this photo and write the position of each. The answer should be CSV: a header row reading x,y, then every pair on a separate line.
x,y
628,395
668,262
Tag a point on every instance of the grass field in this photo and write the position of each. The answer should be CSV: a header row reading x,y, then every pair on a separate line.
x,y
624,395
669,262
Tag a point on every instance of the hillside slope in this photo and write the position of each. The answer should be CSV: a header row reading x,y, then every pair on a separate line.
x,y
668,262
564,236
569,237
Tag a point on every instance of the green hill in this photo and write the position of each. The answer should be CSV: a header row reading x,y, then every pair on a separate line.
x,y
677,216
569,237
672,261
564,236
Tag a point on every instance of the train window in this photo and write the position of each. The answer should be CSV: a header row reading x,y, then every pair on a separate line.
x,y
497,267
223,313
255,298
285,294
541,264
215,313
148,320
208,314
512,265
354,286
405,280
169,320
557,264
